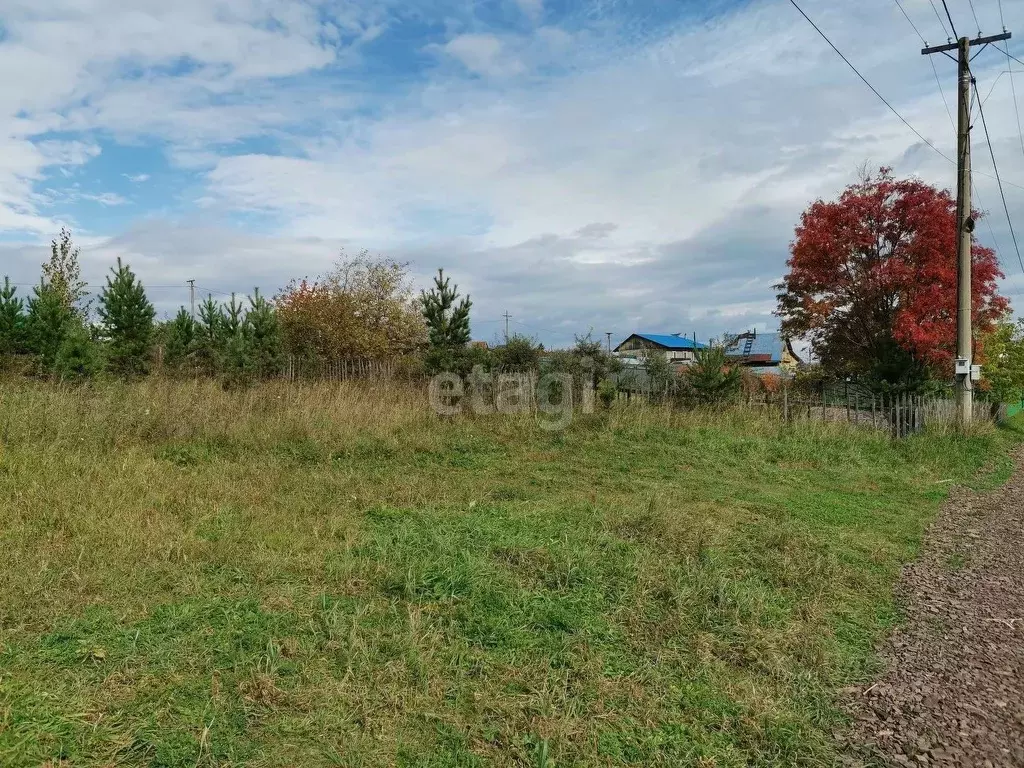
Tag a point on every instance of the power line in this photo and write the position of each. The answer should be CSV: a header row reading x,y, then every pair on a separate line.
x,y
892,109
948,16
212,290
942,93
987,219
868,84
952,122
941,22
907,17
935,71
1013,88
104,285
975,14
1008,54
995,167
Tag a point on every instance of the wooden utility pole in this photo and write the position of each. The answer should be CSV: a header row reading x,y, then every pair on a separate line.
x,y
192,296
964,219
609,335
506,316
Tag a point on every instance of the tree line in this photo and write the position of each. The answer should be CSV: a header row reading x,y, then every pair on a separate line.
x,y
364,307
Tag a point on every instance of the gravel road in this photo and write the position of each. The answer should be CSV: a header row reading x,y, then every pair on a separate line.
x,y
953,689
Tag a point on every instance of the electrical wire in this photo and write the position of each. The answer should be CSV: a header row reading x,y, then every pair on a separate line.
x,y
213,290
869,85
941,22
104,285
950,17
1008,54
942,93
987,219
907,17
975,14
995,167
892,109
931,61
1013,88
952,122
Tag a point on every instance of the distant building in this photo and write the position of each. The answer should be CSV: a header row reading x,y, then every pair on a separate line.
x,y
478,344
763,353
677,348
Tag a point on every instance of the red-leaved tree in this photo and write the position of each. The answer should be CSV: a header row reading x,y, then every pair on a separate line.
x,y
872,281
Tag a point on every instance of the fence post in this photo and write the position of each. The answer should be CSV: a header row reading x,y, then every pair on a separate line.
x,y
873,424
785,405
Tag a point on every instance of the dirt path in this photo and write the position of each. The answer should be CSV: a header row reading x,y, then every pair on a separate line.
x,y
953,690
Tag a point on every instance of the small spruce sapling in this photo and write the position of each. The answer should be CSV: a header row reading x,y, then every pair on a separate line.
x,y
127,317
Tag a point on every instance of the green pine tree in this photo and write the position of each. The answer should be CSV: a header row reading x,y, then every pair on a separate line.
x,y
234,317
447,322
12,321
127,316
265,337
47,324
79,355
180,336
236,364
209,339
710,380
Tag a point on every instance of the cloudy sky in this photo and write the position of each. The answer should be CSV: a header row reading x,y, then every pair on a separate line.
x,y
618,165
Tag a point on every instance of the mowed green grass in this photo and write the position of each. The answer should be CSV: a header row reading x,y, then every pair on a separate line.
x,y
331,576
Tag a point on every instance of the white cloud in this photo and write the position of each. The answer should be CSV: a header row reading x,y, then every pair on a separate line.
x,y
176,71
534,9
601,173
107,199
136,178
484,55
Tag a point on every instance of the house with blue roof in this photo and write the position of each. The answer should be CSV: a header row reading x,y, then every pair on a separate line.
x,y
763,353
677,348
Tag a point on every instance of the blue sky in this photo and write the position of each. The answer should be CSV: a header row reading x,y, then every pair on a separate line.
x,y
609,164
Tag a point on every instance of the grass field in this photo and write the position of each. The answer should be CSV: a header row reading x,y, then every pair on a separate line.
x,y
331,576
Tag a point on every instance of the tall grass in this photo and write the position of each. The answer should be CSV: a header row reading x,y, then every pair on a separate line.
x,y
330,574
116,414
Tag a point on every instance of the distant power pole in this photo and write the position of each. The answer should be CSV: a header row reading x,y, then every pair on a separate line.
x,y
507,316
609,335
964,219
192,296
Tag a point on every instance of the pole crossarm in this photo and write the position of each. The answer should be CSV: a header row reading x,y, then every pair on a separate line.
x,y
976,41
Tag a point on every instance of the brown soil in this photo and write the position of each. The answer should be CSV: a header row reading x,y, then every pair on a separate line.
x,y
953,689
